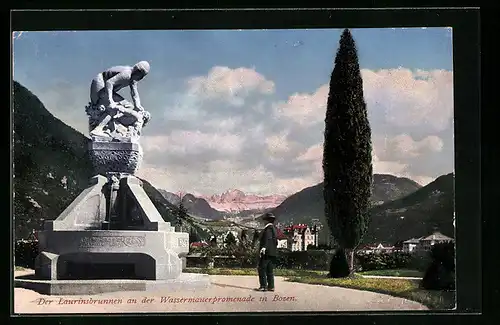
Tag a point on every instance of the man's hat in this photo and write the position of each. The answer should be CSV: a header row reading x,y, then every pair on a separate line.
x,y
269,216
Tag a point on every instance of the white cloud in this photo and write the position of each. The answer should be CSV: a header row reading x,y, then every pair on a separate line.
x,y
313,153
393,167
225,124
409,98
403,97
278,144
422,180
229,84
403,146
192,142
305,109
219,176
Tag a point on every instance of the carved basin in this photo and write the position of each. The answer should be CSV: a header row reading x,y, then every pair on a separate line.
x,y
115,157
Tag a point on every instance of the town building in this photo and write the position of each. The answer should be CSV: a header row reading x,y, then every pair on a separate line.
x,y
376,249
411,245
283,240
425,243
199,244
298,237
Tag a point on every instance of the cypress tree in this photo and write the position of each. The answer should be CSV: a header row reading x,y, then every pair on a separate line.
x,y
347,152
181,215
230,239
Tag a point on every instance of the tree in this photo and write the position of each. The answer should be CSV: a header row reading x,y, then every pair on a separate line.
x,y
194,236
213,241
440,275
181,215
230,240
347,152
255,237
244,236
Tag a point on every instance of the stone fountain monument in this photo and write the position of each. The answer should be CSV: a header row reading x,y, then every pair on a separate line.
x,y
111,237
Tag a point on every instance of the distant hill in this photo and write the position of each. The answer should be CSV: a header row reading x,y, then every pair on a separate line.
x,y
415,215
171,197
409,210
51,166
308,203
196,206
388,188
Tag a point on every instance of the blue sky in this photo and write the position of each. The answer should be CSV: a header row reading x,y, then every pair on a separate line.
x,y
58,68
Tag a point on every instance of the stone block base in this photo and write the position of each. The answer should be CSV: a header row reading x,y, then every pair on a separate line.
x,y
92,287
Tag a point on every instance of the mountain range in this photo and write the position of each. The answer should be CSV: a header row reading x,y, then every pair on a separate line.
x,y
51,166
236,201
196,206
230,203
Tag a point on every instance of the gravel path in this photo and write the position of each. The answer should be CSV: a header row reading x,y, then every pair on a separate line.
x,y
288,296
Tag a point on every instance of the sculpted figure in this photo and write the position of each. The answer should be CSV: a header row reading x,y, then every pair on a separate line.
x,y
110,114
104,87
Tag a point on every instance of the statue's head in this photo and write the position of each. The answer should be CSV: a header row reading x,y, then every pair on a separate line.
x,y
140,70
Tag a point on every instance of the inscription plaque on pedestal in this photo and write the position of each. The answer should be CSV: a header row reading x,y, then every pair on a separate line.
x,y
113,241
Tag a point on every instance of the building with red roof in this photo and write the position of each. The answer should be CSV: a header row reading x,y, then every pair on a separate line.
x,y
199,244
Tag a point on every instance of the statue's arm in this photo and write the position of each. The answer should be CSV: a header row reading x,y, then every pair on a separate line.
x,y
135,94
111,82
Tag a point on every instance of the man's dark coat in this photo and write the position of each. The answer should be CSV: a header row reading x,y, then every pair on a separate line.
x,y
269,240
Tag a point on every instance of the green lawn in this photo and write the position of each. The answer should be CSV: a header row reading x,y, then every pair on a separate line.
x,y
253,271
395,272
403,288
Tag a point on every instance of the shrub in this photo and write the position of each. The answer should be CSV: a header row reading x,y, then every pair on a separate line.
x,y
445,254
441,273
311,260
420,261
381,261
197,261
339,268
25,253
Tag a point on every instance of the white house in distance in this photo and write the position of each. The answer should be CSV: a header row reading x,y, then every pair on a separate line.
x,y
297,237
376,249
425,243
410,245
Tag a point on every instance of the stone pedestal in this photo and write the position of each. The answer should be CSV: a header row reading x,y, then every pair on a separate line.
x,y
111,231
115,157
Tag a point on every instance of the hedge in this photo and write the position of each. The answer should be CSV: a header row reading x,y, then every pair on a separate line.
x,y
311,260
25,253
383,261
317,260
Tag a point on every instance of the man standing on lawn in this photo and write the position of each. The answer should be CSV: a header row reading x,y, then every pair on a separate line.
x,y
268,249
